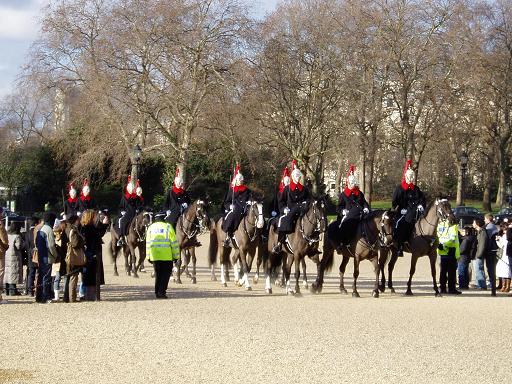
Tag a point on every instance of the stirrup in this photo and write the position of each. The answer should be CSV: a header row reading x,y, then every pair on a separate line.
x,y
277,248
227,241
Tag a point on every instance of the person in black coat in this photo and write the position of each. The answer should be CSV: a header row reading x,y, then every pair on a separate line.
x,y
409,201
86,201
292,203
128,206
72,204
351,206
234,205
176,201
467,253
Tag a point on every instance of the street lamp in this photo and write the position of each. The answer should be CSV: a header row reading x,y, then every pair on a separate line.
x,y
463,167
137,153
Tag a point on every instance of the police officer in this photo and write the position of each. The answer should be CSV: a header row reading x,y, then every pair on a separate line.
x,y
71,205
351,206
235,204
162,249
86,201
449,253
177,200
291,202
409,202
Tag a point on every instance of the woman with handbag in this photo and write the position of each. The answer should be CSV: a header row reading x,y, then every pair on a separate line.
x,y
75,255
92,235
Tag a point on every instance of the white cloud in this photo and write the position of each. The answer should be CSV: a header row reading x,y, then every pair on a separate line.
x,y
20,23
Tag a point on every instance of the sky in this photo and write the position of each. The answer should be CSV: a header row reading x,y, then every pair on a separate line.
x,y
19,28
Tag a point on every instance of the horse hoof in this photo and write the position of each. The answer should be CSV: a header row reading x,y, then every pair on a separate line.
x,y
438,294
135,276
408,293
255,280
128,273
305,285
213,278
343,291
152,274
116,273
268,291
355,294
178,281
248,288
194,280
382,288
225,285
392,291
375,293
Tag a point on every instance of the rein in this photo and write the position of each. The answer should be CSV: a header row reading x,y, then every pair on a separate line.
x,y
253,225
193,226
309,238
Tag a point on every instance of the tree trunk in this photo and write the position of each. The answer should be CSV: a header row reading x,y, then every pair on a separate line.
x,y
371,171
460,185
363,172
183,154
338,177
502,189
486,201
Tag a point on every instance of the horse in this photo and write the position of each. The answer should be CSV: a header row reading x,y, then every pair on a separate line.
x,y
302,242
246,240
136,239
373,233
191,223
423,242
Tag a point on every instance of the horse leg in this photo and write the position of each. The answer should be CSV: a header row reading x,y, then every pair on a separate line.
x,y
258,265
297,261
287,268
391,267
376,269
222,266
343,267
194,263
236,269
383,256
245,271
133,261
433,258
414,259
115,251
142,256
268,272
178,268
304,275
327,260
212,273
127,261
356,275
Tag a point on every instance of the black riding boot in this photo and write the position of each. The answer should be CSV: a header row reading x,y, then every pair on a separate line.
x,y
227,241
400,251
280,240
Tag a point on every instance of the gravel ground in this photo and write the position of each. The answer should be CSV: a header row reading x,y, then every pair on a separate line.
x,y
209,334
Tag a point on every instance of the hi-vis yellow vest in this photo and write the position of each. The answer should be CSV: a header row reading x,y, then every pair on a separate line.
x,y
448,236
161,243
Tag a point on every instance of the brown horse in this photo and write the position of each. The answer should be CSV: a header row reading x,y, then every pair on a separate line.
x,y
423,242
302,242
373,231
136,239
246,239
191,223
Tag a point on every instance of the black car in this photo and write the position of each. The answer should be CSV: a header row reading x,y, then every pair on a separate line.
x,y
505,213
466,215
13,217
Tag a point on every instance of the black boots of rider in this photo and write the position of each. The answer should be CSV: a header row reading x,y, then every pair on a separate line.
x,y
281,237
227,241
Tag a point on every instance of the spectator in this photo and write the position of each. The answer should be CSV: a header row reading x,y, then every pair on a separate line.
x,y
93,243
449,252
481,248
47,254
75,257
13,275
467,253
59,268
4,245
508,235
502,266
30,276
490,261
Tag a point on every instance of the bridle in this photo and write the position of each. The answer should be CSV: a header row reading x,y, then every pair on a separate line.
x,y
383,235
195,229
252,205
319,218
145,225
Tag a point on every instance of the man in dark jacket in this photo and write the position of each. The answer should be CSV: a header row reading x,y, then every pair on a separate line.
x,y
235,204
292,203
176,201
351,206
409,202
467,253
483,253
31,266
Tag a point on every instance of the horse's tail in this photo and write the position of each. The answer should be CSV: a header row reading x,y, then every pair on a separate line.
x,y
328,255
213,246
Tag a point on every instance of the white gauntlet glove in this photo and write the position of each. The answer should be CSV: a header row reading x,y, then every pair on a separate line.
x,y
274,213
231,206
420,208
344,212
366,211
403,211
184,205
123,213
286,210
168,213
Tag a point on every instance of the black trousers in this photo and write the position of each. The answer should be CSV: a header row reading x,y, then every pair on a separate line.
x,y
490,263
448,272
163,270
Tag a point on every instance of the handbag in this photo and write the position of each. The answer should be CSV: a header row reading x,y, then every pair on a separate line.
x,y
35,256
75,257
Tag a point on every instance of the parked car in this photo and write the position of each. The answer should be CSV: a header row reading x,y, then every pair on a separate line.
x,y
13,217
466,215
505,213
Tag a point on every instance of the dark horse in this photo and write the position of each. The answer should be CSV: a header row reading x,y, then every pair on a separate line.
x,y
301,243
247,237
423,241
191,223
373,233
136,239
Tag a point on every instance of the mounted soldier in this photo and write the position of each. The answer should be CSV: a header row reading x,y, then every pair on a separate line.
x,y
292,202
409,201
352,205
71,205
129,206
276,211
234,205
177,200
86,201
